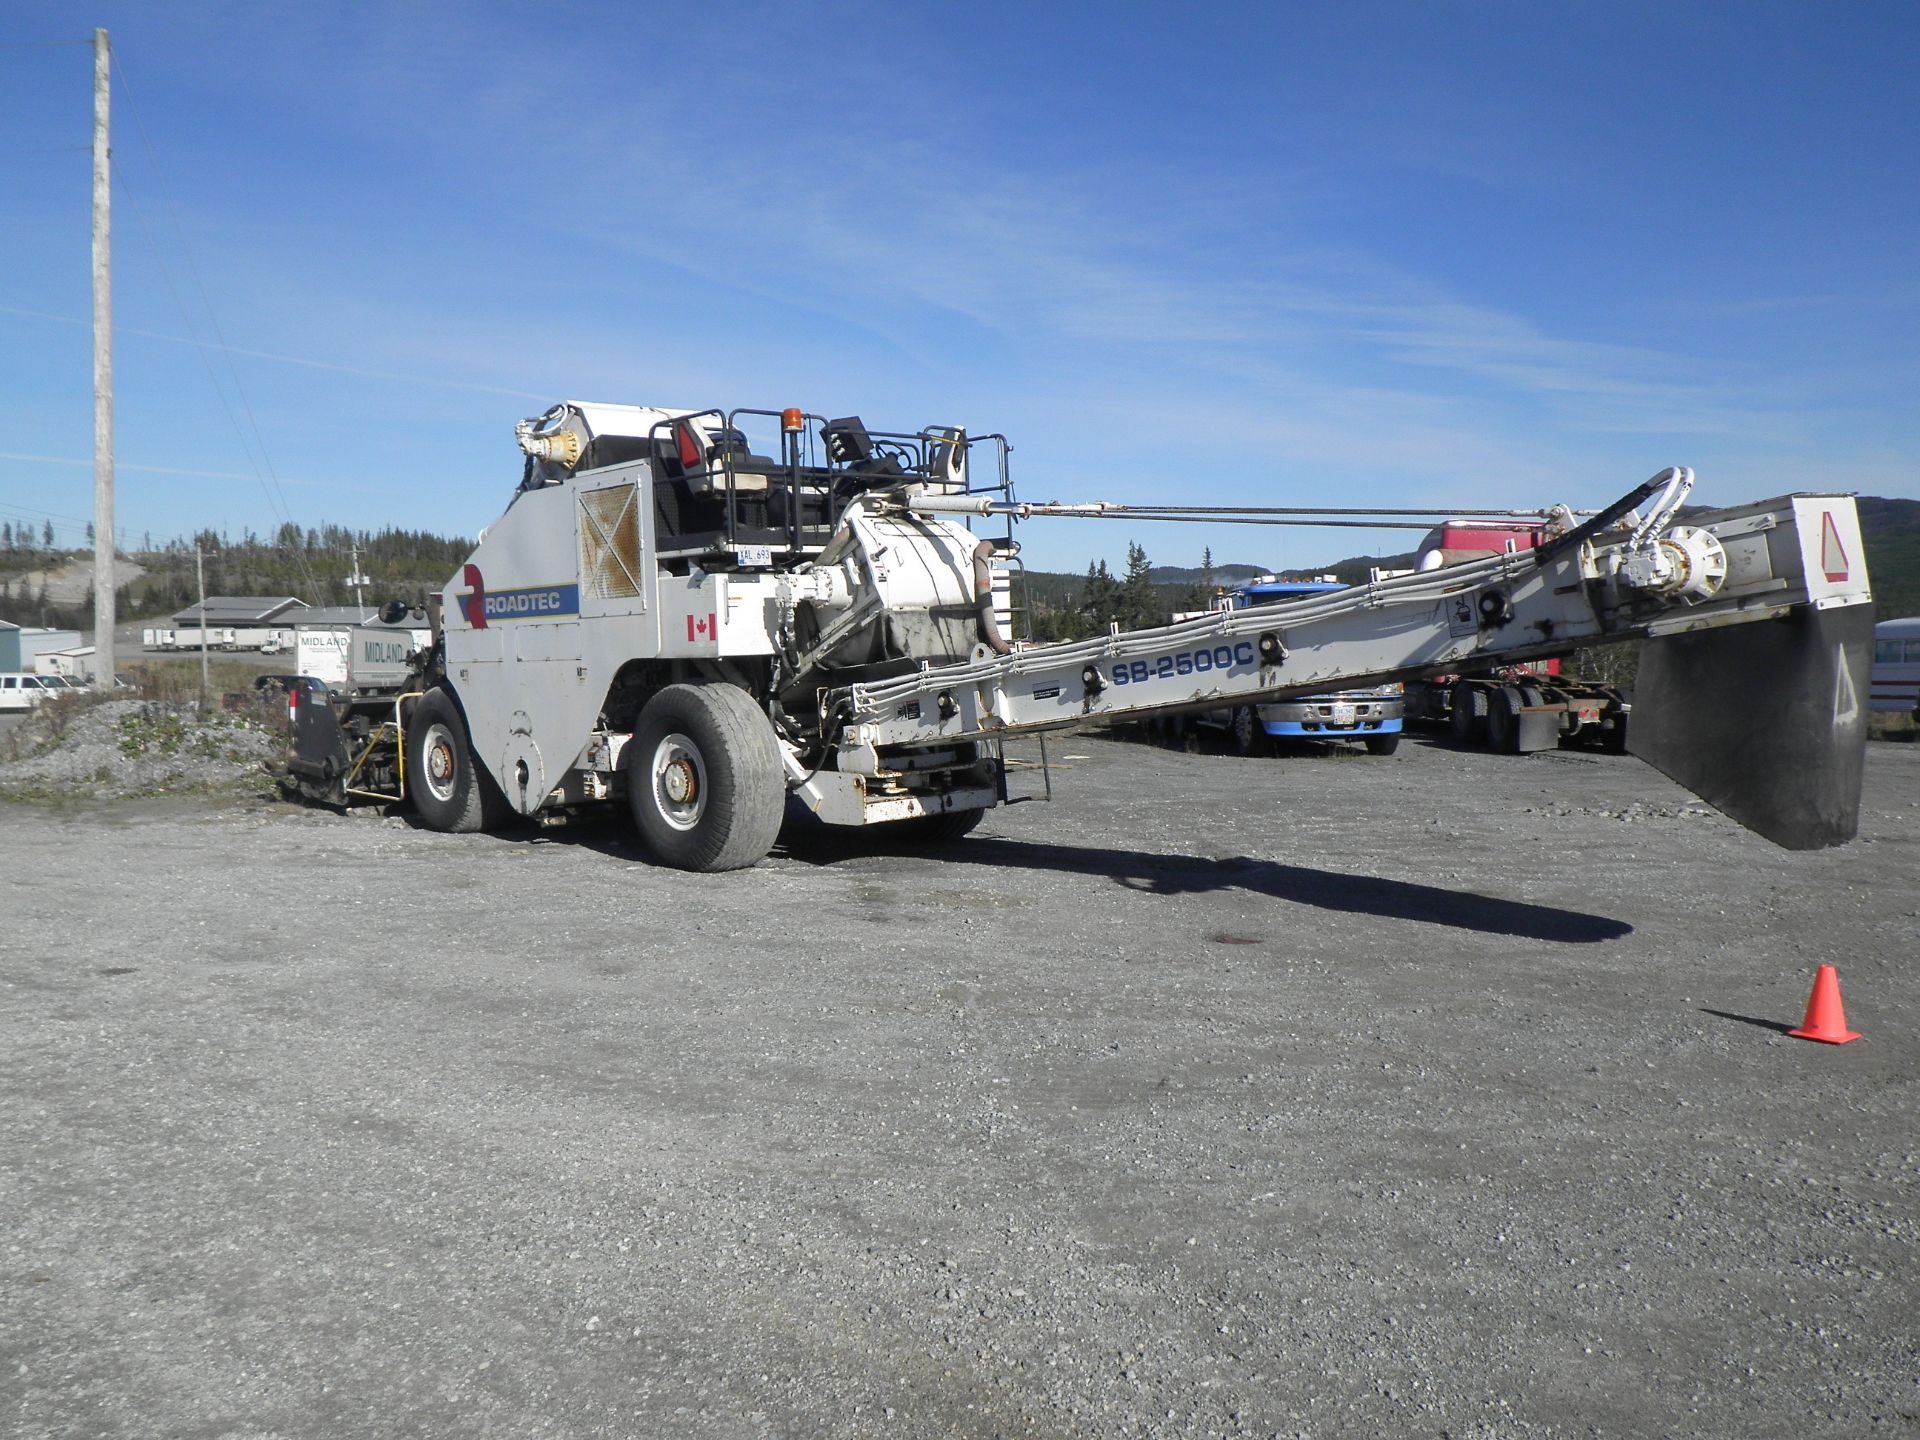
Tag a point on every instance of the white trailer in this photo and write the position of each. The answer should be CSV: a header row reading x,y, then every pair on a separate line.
x,y
320,651
713,635
215,637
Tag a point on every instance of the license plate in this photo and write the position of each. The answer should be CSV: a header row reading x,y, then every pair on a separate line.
x,y
1343,714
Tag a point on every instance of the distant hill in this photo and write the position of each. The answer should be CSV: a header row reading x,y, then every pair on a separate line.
x,y
1891,529
1222,574
43,586
1892,532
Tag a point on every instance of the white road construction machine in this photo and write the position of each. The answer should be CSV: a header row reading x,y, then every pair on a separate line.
x,y
723,618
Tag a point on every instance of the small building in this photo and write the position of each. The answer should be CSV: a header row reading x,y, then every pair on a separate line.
x,y
236,610
74,664
311,615
235,622
20,645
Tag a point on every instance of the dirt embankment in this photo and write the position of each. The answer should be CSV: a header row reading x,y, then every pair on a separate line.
x,y
120,748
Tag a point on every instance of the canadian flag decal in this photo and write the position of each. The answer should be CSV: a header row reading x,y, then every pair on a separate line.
x,y
1833,555
707,629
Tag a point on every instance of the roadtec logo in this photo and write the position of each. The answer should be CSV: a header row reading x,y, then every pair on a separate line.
x,y
536,602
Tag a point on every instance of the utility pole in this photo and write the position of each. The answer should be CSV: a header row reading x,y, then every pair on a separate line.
x,y
104,607
200,579
356,579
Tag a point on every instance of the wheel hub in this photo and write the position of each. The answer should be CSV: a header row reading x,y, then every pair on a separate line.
x,y
440,763
679,782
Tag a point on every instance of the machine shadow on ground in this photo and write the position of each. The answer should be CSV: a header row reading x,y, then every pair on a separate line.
x,y
1159,874
1154,874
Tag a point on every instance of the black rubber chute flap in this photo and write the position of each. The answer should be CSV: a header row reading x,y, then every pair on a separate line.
x,y
1766,722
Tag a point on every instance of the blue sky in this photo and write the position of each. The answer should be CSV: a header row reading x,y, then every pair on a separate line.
x,y
1437,255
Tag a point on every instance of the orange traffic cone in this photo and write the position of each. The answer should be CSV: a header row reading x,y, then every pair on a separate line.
x,y
1826,1018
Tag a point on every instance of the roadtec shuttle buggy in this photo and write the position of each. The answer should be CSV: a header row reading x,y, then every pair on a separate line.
x,y
719,635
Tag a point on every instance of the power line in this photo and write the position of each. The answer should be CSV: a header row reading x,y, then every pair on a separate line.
x,y
270,481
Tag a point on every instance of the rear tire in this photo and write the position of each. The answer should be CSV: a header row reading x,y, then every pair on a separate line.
x,y
1467,713
1382,744
704,778
450,791
1249,735
1613,741
1503,720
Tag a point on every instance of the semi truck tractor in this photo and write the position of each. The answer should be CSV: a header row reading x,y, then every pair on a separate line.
x,y
1371,716
717,618
1518,708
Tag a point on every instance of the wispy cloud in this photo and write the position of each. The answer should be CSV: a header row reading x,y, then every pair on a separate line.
x,y
306,362
180,470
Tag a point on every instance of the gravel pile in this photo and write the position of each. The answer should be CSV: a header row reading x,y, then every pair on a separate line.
x,y
123,748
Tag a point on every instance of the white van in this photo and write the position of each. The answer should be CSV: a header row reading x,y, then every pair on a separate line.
x,y
20,690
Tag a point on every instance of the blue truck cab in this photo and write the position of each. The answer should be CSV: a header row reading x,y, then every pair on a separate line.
x,y
1371,717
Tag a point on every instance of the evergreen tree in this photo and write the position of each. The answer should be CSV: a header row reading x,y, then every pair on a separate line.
x,y
1139,602
1102,602
46,534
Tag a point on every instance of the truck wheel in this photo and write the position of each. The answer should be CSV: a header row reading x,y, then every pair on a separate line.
x,y
1249,735
1503,720
704,778
1613,740
941,829
450,792
1467,713
1382,744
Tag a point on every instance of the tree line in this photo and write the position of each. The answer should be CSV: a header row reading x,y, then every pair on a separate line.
x,y
312,564
1065,607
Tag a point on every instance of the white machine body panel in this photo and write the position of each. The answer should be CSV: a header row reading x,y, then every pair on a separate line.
x,y
559,594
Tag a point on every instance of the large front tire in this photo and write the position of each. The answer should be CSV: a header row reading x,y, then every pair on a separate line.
x,y
450,791
704,778
1382,744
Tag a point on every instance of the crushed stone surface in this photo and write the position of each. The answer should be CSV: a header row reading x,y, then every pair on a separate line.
x,y
1408,1095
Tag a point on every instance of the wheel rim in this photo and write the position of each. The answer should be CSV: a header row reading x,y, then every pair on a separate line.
x,y
442,765
678,781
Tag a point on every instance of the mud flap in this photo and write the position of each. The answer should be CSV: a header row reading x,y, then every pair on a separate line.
x,y
1766,722
317,750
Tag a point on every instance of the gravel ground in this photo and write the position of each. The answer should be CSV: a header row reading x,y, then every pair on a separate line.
x,y
1444,1094
124,748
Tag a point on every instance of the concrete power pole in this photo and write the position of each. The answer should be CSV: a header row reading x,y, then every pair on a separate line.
x,y
200,582
104,610
356,579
